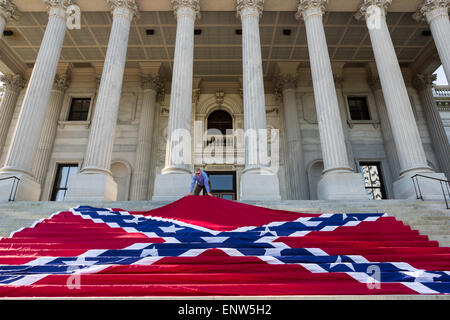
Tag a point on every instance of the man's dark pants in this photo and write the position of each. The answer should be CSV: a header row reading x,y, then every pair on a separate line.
x,y
199,188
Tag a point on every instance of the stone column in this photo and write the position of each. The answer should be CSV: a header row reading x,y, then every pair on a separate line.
x,y
338,180
338,76
389,144
296,173
408,143
258,182
436,14
7,11
19,161
174,180
45,147
13,84
95,181
439,138
152,86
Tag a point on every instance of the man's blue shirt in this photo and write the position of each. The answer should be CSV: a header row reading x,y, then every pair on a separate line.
x,y
202,180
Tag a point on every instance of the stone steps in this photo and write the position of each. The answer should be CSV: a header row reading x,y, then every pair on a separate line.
x,y
429,218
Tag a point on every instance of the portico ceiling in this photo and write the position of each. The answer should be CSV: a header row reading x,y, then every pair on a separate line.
x,y
218,49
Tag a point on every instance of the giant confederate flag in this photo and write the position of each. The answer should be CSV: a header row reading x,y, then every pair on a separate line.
x,y
208,246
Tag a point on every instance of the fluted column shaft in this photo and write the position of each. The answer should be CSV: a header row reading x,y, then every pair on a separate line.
x,y
181,93
253,83
13,85
434,122
339,83
332,138
295,163
139,188
26,138
389,144
436,14
101,137
47,139
173,182
404,127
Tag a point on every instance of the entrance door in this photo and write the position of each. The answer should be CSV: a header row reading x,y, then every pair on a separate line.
x,y
373,179
223,184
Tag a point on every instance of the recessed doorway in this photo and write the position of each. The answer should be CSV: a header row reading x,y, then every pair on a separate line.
x,y
223,184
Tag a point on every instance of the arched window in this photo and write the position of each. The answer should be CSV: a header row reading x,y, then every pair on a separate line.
x,y
220,120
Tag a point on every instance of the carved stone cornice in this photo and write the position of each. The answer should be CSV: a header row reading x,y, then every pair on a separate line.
x,y
8,10
432,9
61,82
180,6
13,83
424,81
307,8
127,8
364,11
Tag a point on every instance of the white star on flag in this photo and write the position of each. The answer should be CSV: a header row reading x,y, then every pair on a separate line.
x,y
344,216
79,263
171,229
422,275
339,261
267,230
150,252
134,220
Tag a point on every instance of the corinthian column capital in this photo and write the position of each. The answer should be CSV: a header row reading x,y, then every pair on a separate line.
x,y
308,8
286,81
374,83
58,7
432,9
61,82
153,82
125,8
364,11
13,82
8,10
186,7
424,80
250,7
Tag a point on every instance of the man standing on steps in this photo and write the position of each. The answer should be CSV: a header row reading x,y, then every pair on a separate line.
x,y
203,183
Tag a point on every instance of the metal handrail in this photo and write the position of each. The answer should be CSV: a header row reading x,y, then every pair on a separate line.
x,y
442,183
15,185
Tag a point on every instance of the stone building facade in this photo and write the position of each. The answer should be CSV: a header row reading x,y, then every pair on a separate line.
x,y
347,88
442,97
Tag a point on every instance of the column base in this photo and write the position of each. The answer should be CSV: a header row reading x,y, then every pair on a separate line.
x,y
91,187
171,186
342,186
259,185
27,188
430,189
